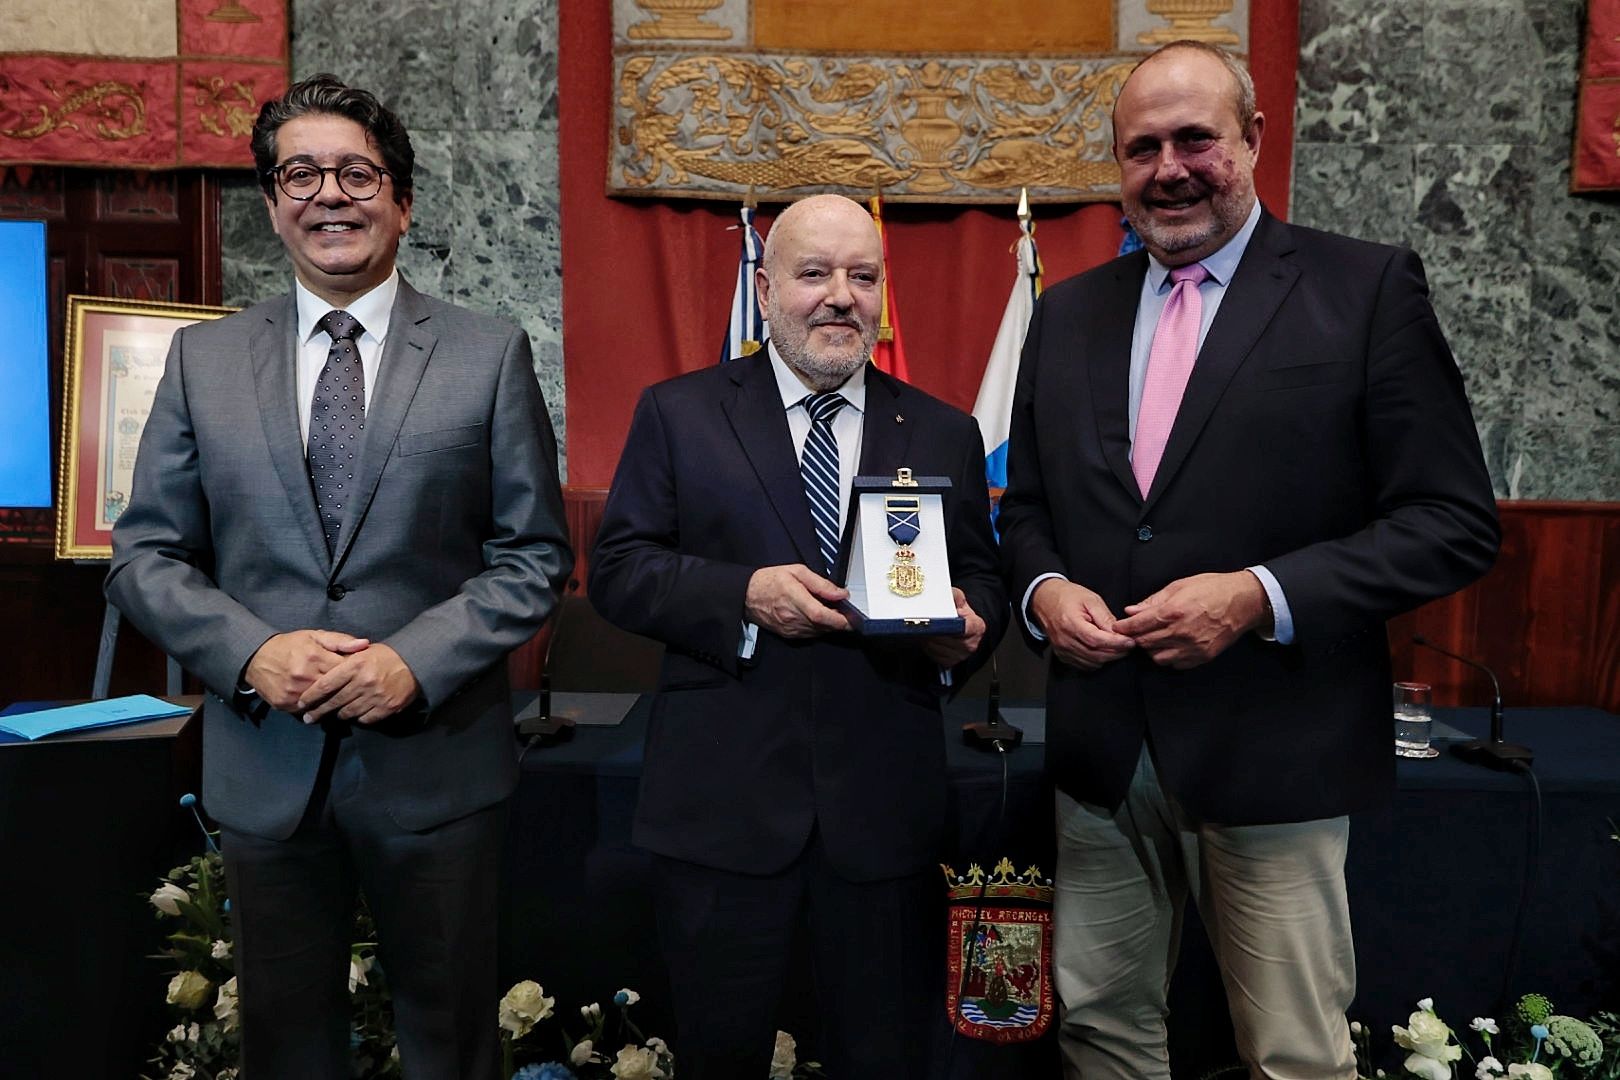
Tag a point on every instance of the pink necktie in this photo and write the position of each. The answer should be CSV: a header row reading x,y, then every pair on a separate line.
x,y
1170,363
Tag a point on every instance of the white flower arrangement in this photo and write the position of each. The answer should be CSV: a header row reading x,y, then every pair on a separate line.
x,y
1540,1045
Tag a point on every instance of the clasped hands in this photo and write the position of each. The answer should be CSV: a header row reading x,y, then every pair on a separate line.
x,y
1187,623
318,673
793,601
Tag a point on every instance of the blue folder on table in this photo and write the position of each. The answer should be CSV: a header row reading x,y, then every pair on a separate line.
x,y
92,714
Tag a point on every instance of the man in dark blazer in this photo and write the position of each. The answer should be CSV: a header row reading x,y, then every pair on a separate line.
x,y
794,771
1214,575
345,514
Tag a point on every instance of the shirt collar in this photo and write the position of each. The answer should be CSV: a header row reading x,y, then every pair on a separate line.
x,y
372,309
793,391
1221,265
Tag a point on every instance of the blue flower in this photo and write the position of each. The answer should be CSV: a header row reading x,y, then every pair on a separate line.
x,y
550,1070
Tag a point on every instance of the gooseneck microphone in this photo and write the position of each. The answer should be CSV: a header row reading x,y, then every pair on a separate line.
x,y
544,729
1495,752
992,733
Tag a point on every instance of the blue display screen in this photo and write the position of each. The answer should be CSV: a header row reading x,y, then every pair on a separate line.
x,y
25,385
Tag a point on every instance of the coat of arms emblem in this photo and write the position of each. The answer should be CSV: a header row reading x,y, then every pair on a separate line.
x,y
999,953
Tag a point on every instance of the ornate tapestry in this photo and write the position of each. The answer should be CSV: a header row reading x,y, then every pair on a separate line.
x,y
1597,114
955,101
137,83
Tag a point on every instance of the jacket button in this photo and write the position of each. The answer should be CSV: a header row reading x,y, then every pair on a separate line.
x,y
1145,533
336,592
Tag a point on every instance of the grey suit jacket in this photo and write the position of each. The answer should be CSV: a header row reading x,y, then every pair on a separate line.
x,y
452,552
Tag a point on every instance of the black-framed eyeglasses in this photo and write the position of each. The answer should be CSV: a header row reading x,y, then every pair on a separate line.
x,y
301,180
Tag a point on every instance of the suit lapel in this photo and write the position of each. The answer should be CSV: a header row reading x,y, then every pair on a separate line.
x,y
885,441
404,357
756,415
273,353
1262,280
1109,365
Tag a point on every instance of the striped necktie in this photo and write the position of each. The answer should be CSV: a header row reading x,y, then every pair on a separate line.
x,y
818,464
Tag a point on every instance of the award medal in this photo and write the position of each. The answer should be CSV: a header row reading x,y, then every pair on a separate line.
x,y
904,514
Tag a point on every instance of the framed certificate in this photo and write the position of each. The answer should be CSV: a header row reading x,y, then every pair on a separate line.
x,y
114,357
899,578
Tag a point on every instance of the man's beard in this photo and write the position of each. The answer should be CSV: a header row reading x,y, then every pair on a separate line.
x,y
824,369
1227,211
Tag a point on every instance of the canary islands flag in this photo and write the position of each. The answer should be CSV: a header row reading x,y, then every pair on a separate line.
x,y
745,334
993,407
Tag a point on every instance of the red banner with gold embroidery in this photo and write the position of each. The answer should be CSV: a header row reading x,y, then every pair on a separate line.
x,y
185,95
1597,114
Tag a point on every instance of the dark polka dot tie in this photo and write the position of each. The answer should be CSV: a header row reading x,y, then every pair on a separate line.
x,y
337,418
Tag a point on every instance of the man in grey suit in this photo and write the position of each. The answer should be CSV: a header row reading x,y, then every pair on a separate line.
x,y
345,514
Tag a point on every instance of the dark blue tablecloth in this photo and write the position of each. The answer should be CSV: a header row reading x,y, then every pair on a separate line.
x,y
1434,880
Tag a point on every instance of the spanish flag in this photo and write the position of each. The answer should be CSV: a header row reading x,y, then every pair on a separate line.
x,y
887,354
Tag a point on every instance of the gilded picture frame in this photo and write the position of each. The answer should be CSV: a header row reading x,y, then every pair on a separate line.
x,y
112,360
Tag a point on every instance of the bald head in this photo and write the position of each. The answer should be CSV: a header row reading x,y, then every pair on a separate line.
x,y
821,288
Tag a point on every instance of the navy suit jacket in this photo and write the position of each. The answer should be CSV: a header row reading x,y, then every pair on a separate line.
x,y
1324,432
836,732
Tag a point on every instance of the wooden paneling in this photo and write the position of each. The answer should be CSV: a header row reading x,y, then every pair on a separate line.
x,y
1546,618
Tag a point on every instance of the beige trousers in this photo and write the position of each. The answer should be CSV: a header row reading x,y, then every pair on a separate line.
x,y
1272,898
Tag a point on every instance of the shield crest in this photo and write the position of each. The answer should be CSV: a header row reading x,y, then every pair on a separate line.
x,y
999,953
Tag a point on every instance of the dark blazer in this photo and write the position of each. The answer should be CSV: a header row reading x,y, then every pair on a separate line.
x,y
743,758
452,552
1324,433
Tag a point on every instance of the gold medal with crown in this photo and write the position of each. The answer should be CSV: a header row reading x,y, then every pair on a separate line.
x,y
904,517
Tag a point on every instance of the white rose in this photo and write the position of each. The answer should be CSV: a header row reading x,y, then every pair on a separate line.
x,y
581,1053
1427,1035
358,966
189,989
636,1063
1488,1067
168,897
221,950
524,1006
225,1004
177,1034
784,1056
1427,1067
1532,1071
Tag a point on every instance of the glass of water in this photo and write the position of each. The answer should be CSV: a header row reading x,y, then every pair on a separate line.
x,y
1412,720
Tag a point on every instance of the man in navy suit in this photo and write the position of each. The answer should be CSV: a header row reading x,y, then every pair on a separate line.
x,y
1211,546
794,771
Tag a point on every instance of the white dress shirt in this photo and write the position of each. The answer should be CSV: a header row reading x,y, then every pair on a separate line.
x,y
371,310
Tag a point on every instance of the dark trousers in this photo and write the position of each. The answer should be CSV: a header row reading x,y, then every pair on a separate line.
x,y
434,897
875,946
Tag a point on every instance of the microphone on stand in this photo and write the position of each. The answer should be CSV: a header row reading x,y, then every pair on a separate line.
x,y
1494,753
992,733
544,729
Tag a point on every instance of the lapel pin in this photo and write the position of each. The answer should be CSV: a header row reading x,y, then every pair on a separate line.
x,y
899,419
